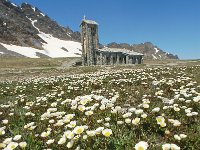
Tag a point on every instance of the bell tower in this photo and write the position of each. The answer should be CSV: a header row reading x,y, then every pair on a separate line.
x,y
90,41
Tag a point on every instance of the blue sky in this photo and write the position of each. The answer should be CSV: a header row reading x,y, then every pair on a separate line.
x,y
172,25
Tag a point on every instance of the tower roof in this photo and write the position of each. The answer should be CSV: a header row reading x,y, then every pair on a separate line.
x,y
125,51
89,21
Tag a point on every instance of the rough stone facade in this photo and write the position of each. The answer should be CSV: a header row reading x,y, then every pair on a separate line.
x,y
92,55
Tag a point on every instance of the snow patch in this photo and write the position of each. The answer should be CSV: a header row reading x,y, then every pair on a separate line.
x,y
33,9
42,14
154,57
1,53
33,23
14,4
157,50
68,34
4,23
26,51
55,51
55,46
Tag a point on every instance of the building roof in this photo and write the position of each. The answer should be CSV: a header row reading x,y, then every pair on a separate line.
x,y
89,21
125,51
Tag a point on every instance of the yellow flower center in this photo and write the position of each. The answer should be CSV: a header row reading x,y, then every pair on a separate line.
x,y
79,131
107,134
140,148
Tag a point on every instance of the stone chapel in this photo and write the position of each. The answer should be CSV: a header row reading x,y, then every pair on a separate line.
x,y
92,55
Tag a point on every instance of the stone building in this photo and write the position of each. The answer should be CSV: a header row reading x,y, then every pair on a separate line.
x,y
92,55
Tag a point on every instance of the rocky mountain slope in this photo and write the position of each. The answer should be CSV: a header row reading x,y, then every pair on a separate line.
x,y
26,32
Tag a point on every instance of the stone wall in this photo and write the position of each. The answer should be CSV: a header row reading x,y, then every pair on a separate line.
x,y
112,58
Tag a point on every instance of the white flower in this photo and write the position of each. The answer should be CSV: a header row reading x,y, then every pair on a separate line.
x,y
183,136
176,123
128,120
5,121
127,115
118,108
144,115
83,102
176,109
99,130
84,137
2,131
72,124
12,145
70,116
69,134
51,141
107,124
88,113
81,108
132,109
100,121
166,147
120,122
157,109
195,113
7,140
189,114
160,119
78,129
113,111
22,144
102,107
107,132
136,121
70,144
62,141
91,133
54,104
177,137
174,147
17,137
138,111
2,145
163,124
107,119
145,105
45,134
141,145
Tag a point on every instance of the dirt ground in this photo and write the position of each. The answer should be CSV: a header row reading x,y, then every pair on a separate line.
x,y
14,69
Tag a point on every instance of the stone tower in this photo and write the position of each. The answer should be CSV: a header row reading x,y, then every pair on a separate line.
x,y
90,41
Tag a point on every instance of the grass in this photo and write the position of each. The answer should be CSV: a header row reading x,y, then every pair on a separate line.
x,y
21,63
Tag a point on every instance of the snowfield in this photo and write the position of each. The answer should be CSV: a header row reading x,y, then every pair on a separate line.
x,y
157,50
53,47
